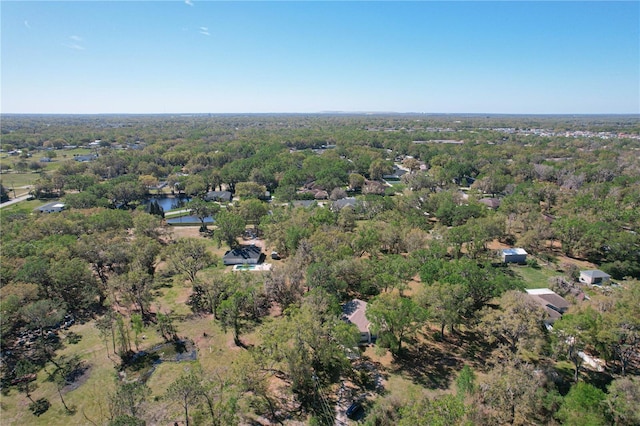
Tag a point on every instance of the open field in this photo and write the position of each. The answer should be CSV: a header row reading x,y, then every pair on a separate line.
x,y
14,180
534,277
22,208
89,395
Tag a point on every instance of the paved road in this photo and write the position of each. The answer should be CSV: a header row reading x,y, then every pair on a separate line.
x,y
15,200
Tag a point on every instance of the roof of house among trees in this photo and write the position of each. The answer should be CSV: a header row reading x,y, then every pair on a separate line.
x,y
595,273
218,196
245,254
554,304
514,251
355,312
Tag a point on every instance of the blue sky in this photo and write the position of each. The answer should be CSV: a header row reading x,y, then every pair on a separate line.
x,y
222,57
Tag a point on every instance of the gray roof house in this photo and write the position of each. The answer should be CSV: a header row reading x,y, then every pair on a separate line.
x,y
223,196
492,203
354,312
344,202
553,303
396,174
51,208
245,255
85,158
594,277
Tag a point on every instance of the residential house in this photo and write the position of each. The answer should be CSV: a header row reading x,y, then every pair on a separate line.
x,y
343,203
85,158
354,312
51,208
553,303
221,196
245,255
321,195
514,255
594,277
396,174
492,203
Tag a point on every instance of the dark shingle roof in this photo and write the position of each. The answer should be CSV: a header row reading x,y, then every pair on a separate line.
x,y
242,255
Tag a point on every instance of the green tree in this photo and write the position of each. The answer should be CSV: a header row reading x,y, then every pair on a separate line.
x,y
445,410
466,382
447,304
229,226
573,332
4,194
583,406
166,326
40,315
509,393
517,322
623,401
123,338
25,376
221,397
208,293
395,318
137,326
72,282
127,400
135,286
252,211
243,297
202,209
188,256
66,372
246,190
379,168
308,344
620,326
187,391
356,181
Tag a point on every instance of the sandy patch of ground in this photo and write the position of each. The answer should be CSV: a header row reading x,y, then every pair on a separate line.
x,y
185,231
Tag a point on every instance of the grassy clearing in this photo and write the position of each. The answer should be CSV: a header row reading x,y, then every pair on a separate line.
x,y
21,208
89,397
534,277
18,180
214,349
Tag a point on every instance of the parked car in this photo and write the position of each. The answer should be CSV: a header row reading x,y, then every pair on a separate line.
x,y
355,411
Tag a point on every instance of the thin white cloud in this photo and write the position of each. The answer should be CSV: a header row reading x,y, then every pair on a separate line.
x,y
75,46
26,24
204,31
76,43
188,2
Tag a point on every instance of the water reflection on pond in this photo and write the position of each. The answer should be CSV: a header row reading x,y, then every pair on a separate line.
x,y
170,203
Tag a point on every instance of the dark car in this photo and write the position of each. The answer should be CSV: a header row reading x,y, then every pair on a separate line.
x,y
355,411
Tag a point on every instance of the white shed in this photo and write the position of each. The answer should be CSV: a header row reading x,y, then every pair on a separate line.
x,y
514,255
594,277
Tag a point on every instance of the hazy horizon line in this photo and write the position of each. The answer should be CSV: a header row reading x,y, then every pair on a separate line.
x,y
335,112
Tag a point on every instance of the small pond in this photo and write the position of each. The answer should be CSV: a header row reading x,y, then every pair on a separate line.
x,y
169,203
142,364
189,220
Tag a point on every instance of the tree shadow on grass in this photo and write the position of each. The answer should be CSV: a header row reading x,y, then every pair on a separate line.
x,y
433,362
475,349
428,365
